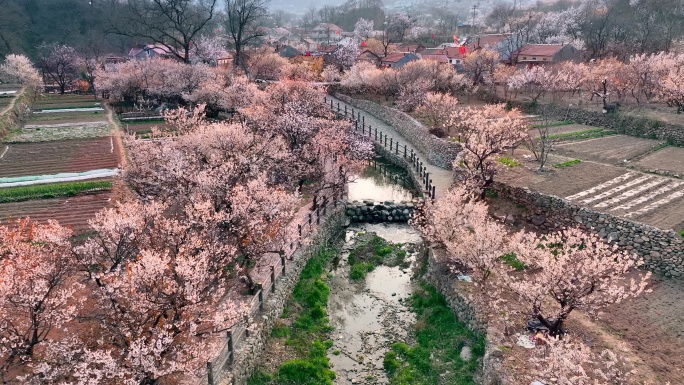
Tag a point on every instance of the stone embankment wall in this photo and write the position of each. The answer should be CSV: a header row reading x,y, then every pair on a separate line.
x,y
247,353
380,212
439,152
439,275
662,251
621,123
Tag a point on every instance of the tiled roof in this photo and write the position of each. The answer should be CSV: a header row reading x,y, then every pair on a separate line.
x,y
540,49
394,57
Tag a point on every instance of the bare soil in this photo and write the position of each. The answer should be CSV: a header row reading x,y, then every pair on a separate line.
x,y
28,159
653,325
612,149
669,159
74,212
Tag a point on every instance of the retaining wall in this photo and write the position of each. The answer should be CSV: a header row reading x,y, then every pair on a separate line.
x,y
439,152
662,251
247,353
439,276
619,122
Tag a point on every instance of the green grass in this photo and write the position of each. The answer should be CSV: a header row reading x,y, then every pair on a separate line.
x,y
567,164
512,260
585,134
308,334
142,121
506,161
554,124
373,251
46,191
681,232
440,336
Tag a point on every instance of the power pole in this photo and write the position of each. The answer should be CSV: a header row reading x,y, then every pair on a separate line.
x,y
473,22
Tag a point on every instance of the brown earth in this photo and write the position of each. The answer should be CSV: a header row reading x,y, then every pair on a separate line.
x,y
74,212
612,149
669,159
40,158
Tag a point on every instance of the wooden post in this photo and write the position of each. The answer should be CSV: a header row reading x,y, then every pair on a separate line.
x,y
261,299
231,355
376,134
309,219
363,118
404,151
318,216
356,125
299,227
345,110
331,104
210,374
272,279
385,141
433,192
338,107
391,144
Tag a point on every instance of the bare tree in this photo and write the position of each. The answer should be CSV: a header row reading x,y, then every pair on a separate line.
x,y
541,143
170,23
241,23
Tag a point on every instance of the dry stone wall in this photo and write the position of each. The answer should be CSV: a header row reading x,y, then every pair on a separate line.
x,y
621,123
439,152
379,212
441,277
661,250
247,353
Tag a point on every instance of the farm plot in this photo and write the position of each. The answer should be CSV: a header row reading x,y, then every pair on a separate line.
x,y
66,117
145,127
612,149
69,211
669,159
59,131
41,158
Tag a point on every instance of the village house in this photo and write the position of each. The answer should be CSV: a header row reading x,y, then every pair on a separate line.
x,y
398,59
149,51
531,55
369,56
326,33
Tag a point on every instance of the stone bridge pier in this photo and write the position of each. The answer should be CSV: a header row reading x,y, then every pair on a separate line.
x,y
369,211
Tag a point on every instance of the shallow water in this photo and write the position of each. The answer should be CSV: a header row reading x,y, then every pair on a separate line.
x,y
380,184
370,315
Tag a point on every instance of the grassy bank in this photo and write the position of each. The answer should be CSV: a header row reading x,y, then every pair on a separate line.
x,y
440,337
372,251
304,329
45,191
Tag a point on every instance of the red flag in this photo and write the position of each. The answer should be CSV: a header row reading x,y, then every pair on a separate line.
x,y
462,50
363,44
433,36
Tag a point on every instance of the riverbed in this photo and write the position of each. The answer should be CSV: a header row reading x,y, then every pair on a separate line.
x,y
369,315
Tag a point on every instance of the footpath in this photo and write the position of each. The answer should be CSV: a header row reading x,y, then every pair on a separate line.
x,y
440,178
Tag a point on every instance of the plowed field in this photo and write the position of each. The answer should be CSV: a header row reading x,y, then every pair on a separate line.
x,y
72,211
27,159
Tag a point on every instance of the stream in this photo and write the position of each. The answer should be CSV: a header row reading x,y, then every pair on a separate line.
x,y
369,315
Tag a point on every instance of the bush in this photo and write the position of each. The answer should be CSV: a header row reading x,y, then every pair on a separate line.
x,y
359,270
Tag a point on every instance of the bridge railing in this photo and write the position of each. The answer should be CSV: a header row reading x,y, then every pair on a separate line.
x,y
388,142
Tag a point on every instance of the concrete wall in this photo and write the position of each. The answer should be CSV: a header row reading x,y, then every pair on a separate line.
x,y
439,152
662,251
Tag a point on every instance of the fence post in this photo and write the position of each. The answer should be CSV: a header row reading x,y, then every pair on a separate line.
x,y
396,152
433,192
363,130
282,262
345,110
427,178
385,141
309,219
376,134
272,279
318,216
331,104
231,355
261,299
338,107
404,151
391,144
210,374
363,118
299,227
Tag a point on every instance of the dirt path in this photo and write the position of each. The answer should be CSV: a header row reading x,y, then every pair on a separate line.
x,y
13,101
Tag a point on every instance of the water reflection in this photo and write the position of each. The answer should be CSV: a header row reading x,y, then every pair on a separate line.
x,y
381,182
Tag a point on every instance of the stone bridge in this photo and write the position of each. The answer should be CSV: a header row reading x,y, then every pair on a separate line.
x,y
380,212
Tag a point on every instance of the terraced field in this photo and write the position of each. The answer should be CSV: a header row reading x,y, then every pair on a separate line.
x,y
41,158
71,211
60,137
